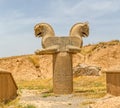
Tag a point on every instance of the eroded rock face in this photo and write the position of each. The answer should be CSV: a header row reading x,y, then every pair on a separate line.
x,y
86,70
28,67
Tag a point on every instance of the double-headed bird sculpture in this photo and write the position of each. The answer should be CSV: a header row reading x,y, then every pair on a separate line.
x,y
45,31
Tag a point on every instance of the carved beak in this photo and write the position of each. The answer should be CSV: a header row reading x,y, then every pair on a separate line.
x,y
39,35
85,34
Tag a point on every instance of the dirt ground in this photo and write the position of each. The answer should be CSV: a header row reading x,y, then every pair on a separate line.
x,y
41,100
107,102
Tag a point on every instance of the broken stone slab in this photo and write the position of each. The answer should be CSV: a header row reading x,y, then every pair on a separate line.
x,y
86,70
8,87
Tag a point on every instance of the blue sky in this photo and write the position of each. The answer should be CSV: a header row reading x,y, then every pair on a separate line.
x,y
18,17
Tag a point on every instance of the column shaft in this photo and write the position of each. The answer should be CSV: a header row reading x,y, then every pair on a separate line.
x,y
62,73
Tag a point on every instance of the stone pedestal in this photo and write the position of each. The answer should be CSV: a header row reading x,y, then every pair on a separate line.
x,y
8,87
113,82
62,73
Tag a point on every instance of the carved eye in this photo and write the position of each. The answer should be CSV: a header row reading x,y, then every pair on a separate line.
x,y
39,33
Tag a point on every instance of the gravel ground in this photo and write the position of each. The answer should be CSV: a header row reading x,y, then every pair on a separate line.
x,y
59,101
107,102
44,100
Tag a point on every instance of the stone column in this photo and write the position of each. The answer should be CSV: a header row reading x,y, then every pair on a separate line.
x,y
62,73
62,49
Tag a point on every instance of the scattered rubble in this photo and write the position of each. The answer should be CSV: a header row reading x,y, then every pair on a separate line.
x,y
86,70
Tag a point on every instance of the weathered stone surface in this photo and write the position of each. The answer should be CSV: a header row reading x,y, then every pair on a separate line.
x,y
60,44
79,30
86,70
62,73
113,82
62,49
43,30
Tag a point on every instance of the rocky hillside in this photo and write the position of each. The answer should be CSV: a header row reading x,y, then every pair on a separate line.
x,y
104,54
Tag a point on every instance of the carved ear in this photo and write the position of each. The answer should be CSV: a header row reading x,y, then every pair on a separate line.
x,y
38,26
42,27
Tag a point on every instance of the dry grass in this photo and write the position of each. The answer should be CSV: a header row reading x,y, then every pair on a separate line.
x,y
93,87
15,104
90,86
37,84
91,47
